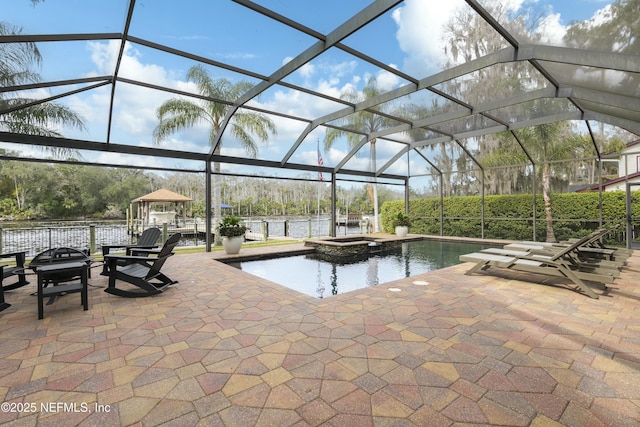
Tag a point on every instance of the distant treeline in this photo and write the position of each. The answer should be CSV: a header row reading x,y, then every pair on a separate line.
x,y
42,191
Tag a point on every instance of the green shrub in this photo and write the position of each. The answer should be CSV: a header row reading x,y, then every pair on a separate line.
x,y
510,217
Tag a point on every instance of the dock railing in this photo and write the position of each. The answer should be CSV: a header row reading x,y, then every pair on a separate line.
x,y
35,239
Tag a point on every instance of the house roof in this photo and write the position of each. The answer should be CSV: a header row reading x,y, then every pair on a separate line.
x,y
596,187
633,143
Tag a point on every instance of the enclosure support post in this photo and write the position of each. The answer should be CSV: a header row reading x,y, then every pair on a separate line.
x,y
629,218
406,196
597,150
533,166
601,220
207,208
441,189
441,205
332,225
600,189
534,203
482,208
473,159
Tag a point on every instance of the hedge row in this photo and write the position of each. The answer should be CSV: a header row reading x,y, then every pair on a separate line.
x,y
510,216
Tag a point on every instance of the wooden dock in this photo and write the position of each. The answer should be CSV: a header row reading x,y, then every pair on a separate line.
x,y
189,232
349,220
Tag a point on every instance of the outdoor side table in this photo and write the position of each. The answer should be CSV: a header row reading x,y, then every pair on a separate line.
x,y
49,274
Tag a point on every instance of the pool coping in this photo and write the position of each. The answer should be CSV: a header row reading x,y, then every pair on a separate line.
x,y
280,251
266,252
355,239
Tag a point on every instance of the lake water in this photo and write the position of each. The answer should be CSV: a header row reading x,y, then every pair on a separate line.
x,y
320,277
37,236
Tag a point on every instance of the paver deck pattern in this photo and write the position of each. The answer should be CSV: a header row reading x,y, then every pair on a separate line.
x,y
223,348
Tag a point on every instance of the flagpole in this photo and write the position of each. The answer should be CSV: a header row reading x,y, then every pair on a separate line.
x,y
320,163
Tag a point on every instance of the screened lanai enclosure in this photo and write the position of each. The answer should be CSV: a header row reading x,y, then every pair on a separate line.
x,y
468,98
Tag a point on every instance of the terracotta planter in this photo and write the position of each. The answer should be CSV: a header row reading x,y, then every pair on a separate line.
x,y
232,244
402,230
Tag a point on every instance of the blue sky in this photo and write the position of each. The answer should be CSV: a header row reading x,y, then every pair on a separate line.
x,y
578,10
407,38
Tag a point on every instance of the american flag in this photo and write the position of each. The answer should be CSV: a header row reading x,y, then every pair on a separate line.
x,y
320,162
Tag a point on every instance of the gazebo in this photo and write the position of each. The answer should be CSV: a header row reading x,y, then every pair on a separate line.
x,y
162,197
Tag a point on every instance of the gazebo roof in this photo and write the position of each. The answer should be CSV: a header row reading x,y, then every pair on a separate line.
x,y
162,195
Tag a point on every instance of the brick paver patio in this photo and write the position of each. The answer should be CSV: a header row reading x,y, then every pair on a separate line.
x,y
222,348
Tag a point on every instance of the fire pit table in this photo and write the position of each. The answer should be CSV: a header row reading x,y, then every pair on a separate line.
x,y
57,267
61,255
52,273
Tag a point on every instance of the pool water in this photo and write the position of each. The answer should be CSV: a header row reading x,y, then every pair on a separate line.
x,y
320,276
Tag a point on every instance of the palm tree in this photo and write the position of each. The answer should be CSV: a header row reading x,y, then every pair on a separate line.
x,y
178,114
26,115
547,144
365,122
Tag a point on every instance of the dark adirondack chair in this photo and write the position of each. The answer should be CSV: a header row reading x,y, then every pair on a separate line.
x,y
14,270
3,304
7,271
147,240
143,272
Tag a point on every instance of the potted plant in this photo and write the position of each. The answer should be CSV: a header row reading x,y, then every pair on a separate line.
x,y
232,232
402,223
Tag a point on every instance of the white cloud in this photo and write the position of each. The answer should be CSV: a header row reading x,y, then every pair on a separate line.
x,y
307,70
551,30
419,27
601,16
122,159
104,55
310,157
420,23
399,167
510,5
343,68
419,33
386,80
336,155
135,107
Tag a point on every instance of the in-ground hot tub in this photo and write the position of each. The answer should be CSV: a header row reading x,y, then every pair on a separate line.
x,y
356,244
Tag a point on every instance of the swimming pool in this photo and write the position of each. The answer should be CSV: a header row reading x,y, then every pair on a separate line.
x,y
322,276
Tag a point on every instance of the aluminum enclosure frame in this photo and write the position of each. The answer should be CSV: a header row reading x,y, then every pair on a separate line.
x,y
588,104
